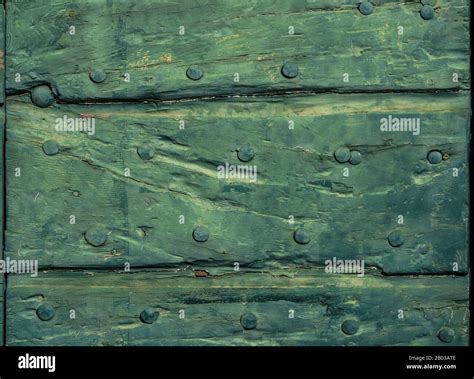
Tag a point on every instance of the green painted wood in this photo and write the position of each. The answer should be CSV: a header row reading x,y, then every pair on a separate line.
x,y
2,118
2,310
2,133
2,274
2,55
134,216
249,37
346,217
108,306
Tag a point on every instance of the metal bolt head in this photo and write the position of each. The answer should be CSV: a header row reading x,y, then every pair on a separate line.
x,y
200,234
427,12
396,239
435,157
245,153
42,96
194,72
350,327
45,312
342,154
301,236
50,147
423,248
248,321
289,70
366,8
356,157
446,335
96,235
148,316
98,76
146,152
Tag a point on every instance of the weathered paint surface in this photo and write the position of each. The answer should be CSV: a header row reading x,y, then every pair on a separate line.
x,y
208,311
2,114
297,175
251,38
2,133
2,56
2,311
169,110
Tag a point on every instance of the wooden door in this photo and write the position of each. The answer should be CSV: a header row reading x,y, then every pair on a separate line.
x,y
237,173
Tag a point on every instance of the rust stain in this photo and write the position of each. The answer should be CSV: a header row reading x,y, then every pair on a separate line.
x,y
201,273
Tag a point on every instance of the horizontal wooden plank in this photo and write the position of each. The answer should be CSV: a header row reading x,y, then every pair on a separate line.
x,y
248,222
2,134
2,55
2,311
108,309
2,175
143,55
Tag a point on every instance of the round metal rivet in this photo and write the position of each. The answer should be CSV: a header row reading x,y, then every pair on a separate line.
x,y
301,236
97,76
248,321
427,12
446,335
42,96
45,312
445,156
289,70
356,157
342,154
396,239
366,8
148,316
146,152
350,327
194,72
200,234
50,147
96,235
435,157
245,153
423,249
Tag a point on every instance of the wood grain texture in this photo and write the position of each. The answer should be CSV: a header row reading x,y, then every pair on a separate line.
x,y
2,116
249,37
2,311
346,217
108,305
2,134
2,55
416,294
